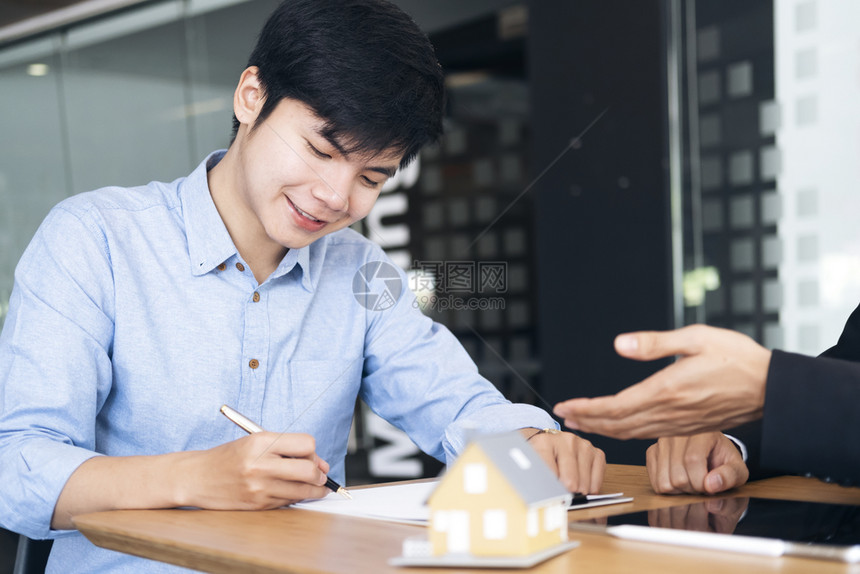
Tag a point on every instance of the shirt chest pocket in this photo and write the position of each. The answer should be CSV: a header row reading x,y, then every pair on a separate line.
x,y
322,394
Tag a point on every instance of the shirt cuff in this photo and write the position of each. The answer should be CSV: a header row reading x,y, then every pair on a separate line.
x,y
33,485
493,419
740,444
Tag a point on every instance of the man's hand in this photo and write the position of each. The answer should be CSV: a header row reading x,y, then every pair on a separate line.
x,y
577,463
719,382
260,471
703,463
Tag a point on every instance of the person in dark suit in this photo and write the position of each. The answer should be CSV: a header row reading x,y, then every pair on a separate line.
x,y
808,407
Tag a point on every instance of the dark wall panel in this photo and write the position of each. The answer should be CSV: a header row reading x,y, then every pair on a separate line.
x,y
602,225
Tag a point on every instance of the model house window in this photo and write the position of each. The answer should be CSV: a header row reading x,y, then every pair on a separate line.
x,y
475,478
458,531
495,524
532,523
553,517
440,521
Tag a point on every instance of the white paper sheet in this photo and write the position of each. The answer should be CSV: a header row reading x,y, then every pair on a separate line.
x,y
593,500
396,502
406,502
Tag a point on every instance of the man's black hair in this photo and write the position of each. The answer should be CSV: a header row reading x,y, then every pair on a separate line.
x,y
363,66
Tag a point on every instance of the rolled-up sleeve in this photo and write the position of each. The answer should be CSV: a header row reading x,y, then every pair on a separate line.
x,y
55,369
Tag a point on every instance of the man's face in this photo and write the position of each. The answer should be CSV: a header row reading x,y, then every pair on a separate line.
x,y
297,183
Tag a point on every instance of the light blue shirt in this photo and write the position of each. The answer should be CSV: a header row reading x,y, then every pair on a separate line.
x,y
133,319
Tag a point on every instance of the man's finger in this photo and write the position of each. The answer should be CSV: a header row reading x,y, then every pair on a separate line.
x,y
546,449
544,445
585,461
729,469
322,464
637,427
726,477
621,414
296,470
696,455
618,406
679,473
650,345
623,429
649,409
597,470
659,465
583,406
293,445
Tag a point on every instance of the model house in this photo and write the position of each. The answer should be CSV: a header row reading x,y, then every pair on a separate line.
x,y
499,498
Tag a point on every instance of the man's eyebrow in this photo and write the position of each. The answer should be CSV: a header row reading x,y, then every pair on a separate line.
x,y
332,141
386,171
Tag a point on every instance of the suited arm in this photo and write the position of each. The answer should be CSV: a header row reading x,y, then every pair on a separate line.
x,y
811,423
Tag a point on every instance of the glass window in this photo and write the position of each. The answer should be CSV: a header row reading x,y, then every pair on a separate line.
x,y
125,96
786,128
32,150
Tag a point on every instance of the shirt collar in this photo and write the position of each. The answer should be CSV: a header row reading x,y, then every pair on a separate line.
x,y
209,242
301,258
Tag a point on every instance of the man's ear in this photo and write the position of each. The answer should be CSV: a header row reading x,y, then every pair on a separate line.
x,y
248,97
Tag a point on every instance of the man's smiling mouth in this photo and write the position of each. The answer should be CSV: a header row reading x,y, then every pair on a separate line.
x,y
304,213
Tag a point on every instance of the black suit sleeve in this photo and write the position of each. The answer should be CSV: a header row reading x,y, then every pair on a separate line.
x,y
811,422
848,346
750,435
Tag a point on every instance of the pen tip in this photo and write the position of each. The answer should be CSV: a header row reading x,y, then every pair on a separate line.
x,y
344,493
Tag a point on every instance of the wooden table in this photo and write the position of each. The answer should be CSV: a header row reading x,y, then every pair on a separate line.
x,y
305,542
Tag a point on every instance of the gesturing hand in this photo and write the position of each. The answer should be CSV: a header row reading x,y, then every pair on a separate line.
x,y
719,382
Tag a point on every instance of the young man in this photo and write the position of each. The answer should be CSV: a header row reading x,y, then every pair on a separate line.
x,y
138,312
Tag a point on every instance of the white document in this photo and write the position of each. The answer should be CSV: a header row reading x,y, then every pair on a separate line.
x,y
593,500
407,503
397,503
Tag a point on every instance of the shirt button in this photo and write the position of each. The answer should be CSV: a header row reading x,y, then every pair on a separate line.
x,y
254,363
222,267
240,267
256,297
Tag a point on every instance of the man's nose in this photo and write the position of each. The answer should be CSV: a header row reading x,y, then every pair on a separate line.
x,y
333,188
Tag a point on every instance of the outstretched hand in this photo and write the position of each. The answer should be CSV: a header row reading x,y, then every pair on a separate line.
x,y
718,382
